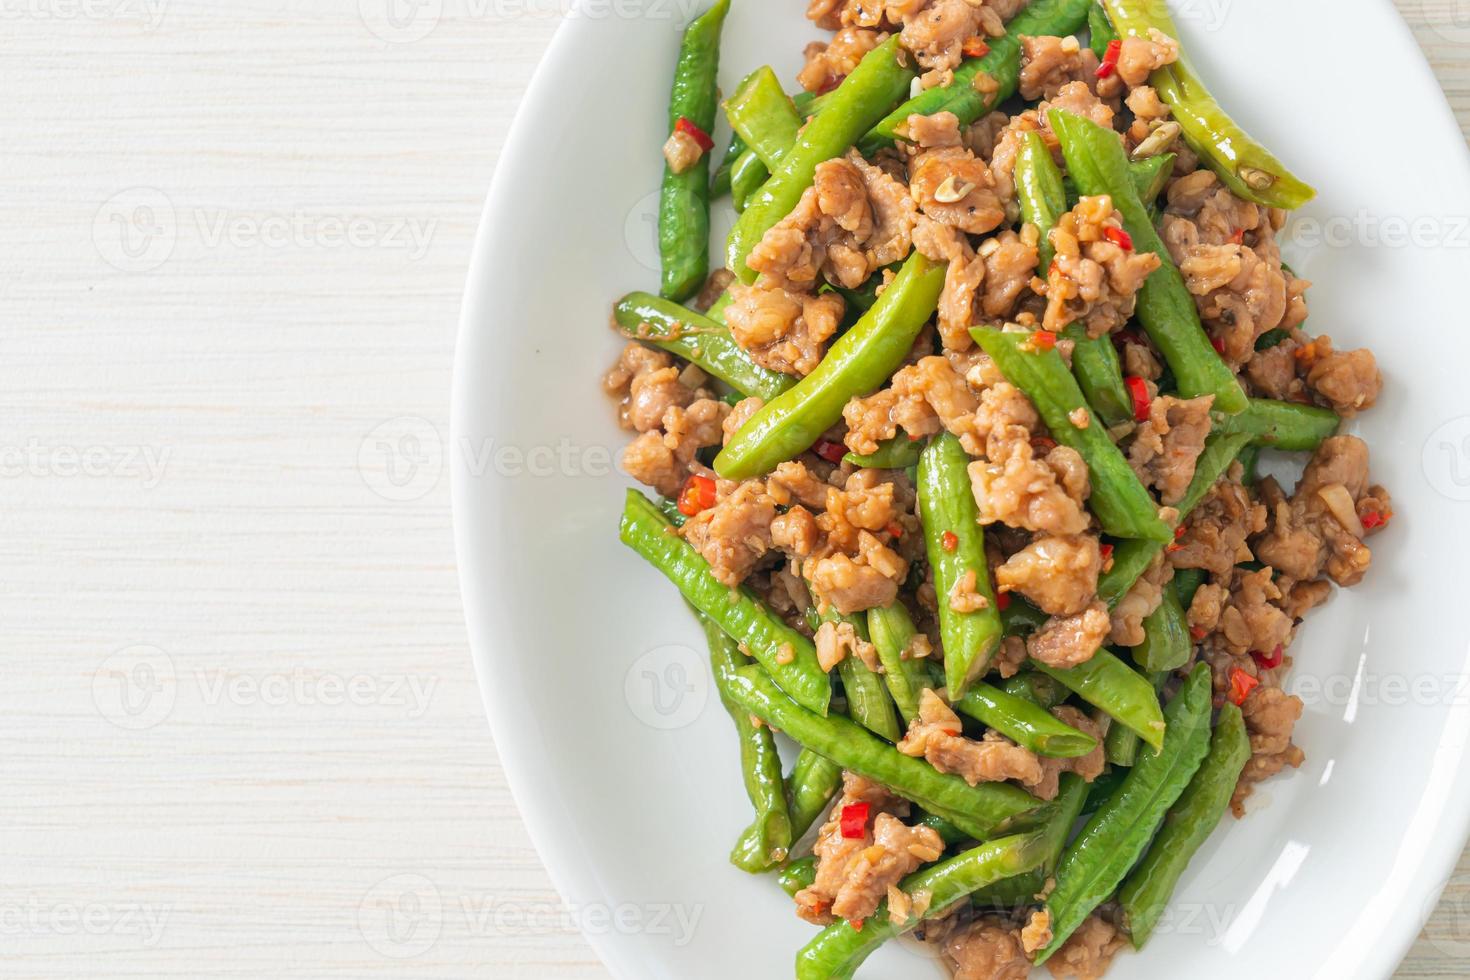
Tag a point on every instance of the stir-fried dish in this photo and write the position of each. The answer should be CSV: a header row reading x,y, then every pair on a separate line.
x,y
955,460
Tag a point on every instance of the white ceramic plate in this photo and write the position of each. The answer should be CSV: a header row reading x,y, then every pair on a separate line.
x,y
621,760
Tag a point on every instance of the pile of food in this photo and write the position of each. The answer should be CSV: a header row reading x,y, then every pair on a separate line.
x,y
956,462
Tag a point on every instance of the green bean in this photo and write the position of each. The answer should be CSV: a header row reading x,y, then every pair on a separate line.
x,y
868,702
1121,692
1122,504
1284,425
1043,200
1246,167
683,207
863,297
1250,460
977,810
789,656
759,762
748,174
1132,558
1116,835
762,114
1120,745
1023,888
1100,29
892,630
716,311
1188,824
898,453
1103,787
1186,583
874,86
699,340
1037,688
1002,63
838,950
1097,162
797,875
719,181
947,831
859,362
1024,723
950,517
813,782
1166,642
1020,618
1150,175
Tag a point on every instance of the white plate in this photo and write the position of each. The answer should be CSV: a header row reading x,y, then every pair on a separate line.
x,y
623,763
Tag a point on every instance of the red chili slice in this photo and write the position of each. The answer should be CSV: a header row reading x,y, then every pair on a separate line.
x,y
1374,519
1110,59
1119,237
854,820
831,451
1003,601
691,129
1138,388
1107,552
1269,660
1241,685
698,495
975,47
1043,339
949,541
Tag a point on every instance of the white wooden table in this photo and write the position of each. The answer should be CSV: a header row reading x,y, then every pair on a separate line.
x,y
239,722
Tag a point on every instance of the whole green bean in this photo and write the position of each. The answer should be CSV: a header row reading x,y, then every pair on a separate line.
x,y
1132,558
1247,168
1121,692
789,656
1166,642
1098,164
1024,723
838,950
1002,63
1284,425
1023,888
950,517
868,702
683,207
759,763
699,340
1188,824
892,630
878,81
763,115
858,363
1122,504
719,182
1116,835
1150,175
1037,688
814,780
1100,30
748,174
797,875
977,810
1120,745
898,453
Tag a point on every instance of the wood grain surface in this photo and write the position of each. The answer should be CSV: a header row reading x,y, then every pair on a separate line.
x,y
241,731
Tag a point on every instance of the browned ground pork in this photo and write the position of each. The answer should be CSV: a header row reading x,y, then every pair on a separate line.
x,y
1093,279
1066,641
1167,445
1088,952
987,949
936,736
1058,573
